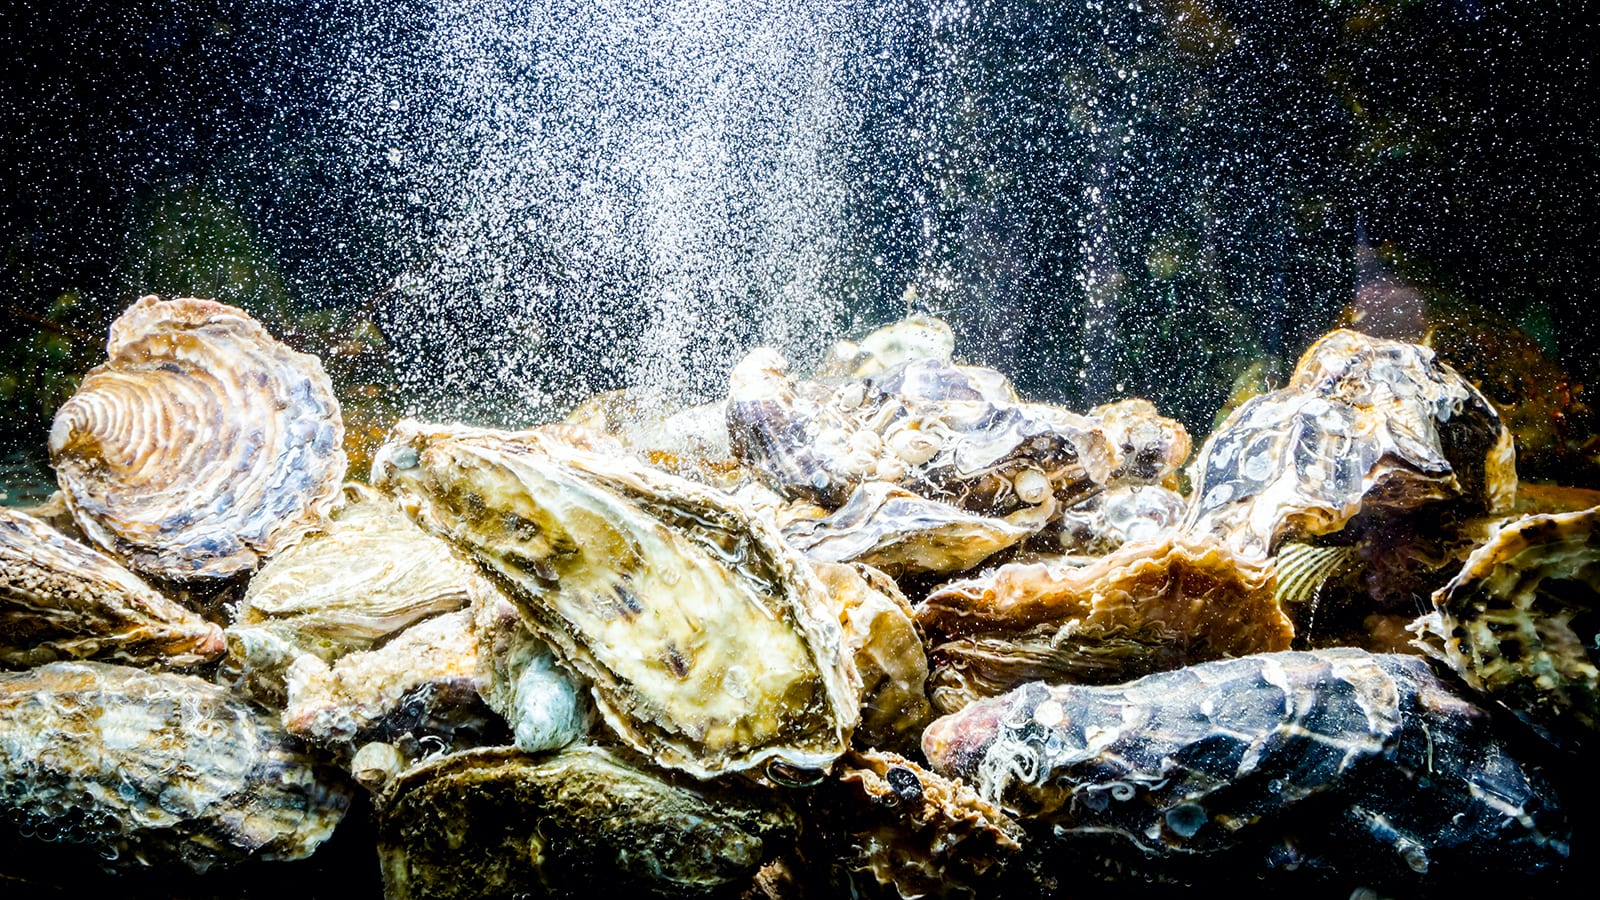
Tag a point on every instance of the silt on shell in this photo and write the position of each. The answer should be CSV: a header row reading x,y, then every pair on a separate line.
x,y
710,644
151,769
62,600
201,446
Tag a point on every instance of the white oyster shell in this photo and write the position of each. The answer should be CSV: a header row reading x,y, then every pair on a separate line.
x,y
201,446
711,645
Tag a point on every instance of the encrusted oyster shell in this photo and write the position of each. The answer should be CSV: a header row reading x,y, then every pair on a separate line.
x,y
581,823
883,639
711,645
1364,425
201,446
520,678
152,769
1518,622
1148,606
1119,515
367,573
912,338
1401,780
62,600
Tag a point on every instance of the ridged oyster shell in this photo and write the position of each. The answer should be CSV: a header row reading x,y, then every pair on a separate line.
x,y
1518,622
152,769
1400,780
62,600
1145,607
1364,424
581,823
201,445
711,645
367,573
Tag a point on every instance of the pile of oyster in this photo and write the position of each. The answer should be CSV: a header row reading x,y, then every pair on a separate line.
x,y
886,630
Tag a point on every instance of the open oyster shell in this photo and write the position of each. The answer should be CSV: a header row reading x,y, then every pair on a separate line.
x,y
711,645
581,823
201,446
1364,424
367,573
1518,622
1145,607
153,769
62,600
1365,763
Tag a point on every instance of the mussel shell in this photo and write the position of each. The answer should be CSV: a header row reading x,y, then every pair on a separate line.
x,y
201,446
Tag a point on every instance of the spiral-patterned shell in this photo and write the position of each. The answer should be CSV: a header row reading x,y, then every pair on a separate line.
x,y
201,446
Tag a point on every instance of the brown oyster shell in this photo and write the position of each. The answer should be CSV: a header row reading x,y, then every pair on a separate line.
x,y
581,823
883,638
1517,622
1365,425
62,600
152,769
1146,607
201,446
367,573
711,645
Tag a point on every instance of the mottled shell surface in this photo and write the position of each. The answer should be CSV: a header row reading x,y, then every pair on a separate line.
x,y
1364,424
711,645
1518,622
367,573
903,534
520,678
788,432
1410,782
62,600
201,446
1146,607
581,823
1149,447
150,769
1119,515
915,831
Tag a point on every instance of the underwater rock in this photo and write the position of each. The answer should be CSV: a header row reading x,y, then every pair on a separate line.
x,y
903,534
1119,515
1144,608
913,830
711,645
148,769
883,639
1519,622
1364,424
1340,759
62,600
367,573
202,446
581,823
418,693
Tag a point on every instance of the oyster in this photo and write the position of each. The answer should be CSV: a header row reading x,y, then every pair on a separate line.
x,y
903,534
521,680
153,769
201,446
912,338
883,638
62,600
1146,607
418,692
691,442
1119,515
1366,763
914,830
1364,424
368,572
500,823
1519,622
792,436
711,645
1149,447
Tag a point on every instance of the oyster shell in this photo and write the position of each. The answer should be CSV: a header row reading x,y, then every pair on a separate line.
x,y
903,534
912,338
521,680
1146,607
418,692
62,600
1368,763
711,645
691,442
201,446
1149,447
883,639
153,769
1519,622
500,823
789,433
367,573
1364,424
1119,515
